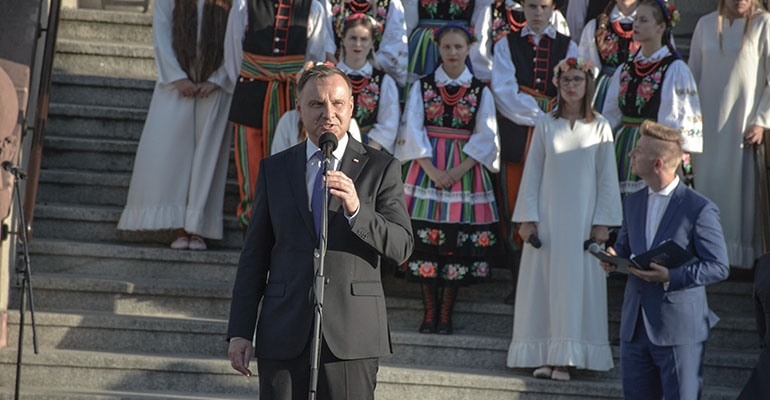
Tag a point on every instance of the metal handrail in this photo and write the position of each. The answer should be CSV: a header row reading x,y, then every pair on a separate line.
x,y
41,115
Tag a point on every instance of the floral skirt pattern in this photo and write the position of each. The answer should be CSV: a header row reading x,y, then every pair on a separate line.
x,y
457,230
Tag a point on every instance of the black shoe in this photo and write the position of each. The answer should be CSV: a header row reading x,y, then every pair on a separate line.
x,y
428,327
444,328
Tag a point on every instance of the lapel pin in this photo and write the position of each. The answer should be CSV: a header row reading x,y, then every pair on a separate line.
x,y
355,160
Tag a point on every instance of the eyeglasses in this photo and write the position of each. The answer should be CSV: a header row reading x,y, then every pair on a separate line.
x,y
569,81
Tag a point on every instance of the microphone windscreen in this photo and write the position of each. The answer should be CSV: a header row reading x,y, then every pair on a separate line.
x,y
328,141
594,248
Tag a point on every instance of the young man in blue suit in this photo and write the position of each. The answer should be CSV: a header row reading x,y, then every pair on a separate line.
x,y
665,320
367,221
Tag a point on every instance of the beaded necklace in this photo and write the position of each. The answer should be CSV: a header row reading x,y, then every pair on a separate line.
x,y
515,26
620,32
359,7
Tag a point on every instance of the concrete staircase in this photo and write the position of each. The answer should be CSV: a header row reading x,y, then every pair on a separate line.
x,y
121,316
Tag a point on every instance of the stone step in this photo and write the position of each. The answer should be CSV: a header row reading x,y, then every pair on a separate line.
x,y
107,331
99,224
91,154
70,370
105,59
97,154
105,26
102,189
71,89
128,261
103,330
95,122
176,297
131,261
45,393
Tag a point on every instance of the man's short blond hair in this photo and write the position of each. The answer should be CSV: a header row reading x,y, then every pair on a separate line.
x,y
667,144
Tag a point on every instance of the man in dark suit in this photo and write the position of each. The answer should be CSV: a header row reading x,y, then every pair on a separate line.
x,y
665,320
367,220
758,386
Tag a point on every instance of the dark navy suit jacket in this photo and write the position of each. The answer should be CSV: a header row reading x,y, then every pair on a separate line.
x,y
679,315
277,264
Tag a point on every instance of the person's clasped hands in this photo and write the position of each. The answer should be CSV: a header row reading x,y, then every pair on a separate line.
x,y
187,88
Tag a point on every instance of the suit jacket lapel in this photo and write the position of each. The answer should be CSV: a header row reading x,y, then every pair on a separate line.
x,y
352,164
673,207
298,184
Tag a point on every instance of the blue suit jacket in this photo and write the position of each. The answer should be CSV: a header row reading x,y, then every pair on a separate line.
x,y
679,315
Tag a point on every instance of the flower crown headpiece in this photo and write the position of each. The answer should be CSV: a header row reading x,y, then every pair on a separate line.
x,y
670,13
355,16
578,63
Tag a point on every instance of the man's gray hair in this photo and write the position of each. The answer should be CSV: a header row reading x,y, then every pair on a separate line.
x,y
319,72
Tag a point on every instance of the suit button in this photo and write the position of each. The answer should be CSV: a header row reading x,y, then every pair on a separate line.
x,y
277,39
538,80
276,51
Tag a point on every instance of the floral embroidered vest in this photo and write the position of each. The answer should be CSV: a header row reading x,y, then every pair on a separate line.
x,y
441,112
341,10
614,49
505,20
446,9
639,94
366,94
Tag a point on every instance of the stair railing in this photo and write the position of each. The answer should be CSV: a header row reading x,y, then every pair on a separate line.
x,y
41,113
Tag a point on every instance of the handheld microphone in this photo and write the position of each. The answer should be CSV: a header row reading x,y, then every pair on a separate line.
x,y
594,248
534,241
597,250
327,143
14,169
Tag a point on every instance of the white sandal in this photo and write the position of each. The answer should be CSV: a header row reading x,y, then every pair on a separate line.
x,y
197,243
181,243
543,372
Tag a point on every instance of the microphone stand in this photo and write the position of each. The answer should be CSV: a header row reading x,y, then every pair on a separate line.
x,y
26,285
319,287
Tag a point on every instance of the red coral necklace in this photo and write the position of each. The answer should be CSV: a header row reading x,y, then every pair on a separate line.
x,y
620,32
451,99
643,69
360,7
515,26
359,84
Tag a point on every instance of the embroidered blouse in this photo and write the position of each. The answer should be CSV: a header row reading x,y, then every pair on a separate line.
x,y
483,144
679,102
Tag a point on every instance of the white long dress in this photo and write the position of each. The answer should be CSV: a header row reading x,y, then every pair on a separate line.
x,y
570,184
181,162
734,96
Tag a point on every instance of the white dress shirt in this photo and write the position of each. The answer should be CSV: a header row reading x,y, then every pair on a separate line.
x,y
313,168
657,202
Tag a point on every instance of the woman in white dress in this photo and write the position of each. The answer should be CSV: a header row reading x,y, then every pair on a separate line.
x,y
569,193
730,60
181,163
